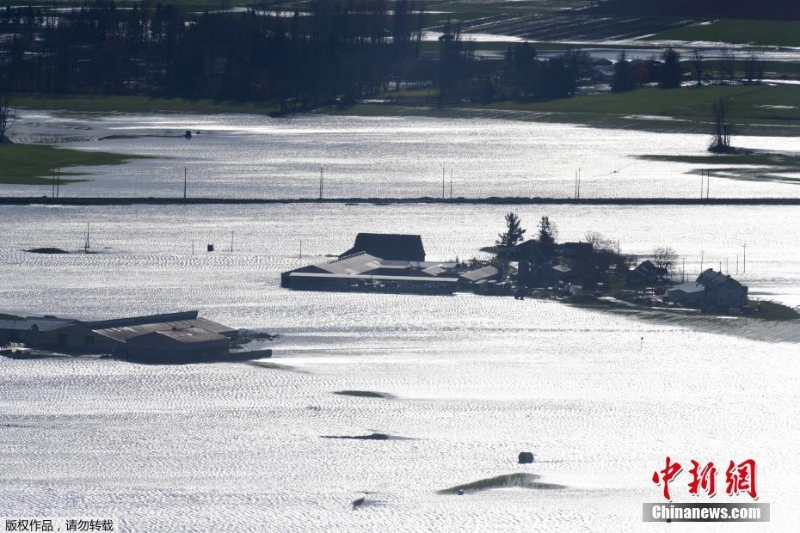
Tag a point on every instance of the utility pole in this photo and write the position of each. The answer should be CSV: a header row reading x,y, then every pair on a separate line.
x,y
86,240
708,182
702,181
442,182
184,183
320,182
744,259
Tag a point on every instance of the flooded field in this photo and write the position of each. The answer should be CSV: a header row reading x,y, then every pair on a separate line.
x,y
258,156
374,405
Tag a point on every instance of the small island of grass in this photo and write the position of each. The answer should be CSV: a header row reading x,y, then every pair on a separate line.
x,y
47,251
29,164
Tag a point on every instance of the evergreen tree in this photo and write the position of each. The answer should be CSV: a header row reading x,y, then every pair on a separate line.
x,y
514,233
671,73
547,237
623,77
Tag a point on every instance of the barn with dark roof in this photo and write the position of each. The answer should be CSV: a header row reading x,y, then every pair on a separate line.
x,y
390,246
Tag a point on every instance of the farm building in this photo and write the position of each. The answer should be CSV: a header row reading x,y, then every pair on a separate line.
x,y
389,246
368,273
165,338
689,294
712,290
646,274
722,292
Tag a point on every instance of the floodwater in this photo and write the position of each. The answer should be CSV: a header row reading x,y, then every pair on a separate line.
x,y
257,156
600,398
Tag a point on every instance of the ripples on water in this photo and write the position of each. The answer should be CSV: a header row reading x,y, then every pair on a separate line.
x,y
600,398
256,156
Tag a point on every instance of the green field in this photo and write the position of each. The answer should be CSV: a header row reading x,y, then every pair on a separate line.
x,y
757,32
137,104
33,164
755,109
686,102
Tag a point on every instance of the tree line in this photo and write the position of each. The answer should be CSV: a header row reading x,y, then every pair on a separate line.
x,y
347,49
337,51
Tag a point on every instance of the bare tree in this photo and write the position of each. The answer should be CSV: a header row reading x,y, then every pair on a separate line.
x,y
753,69
697,63
600,243
665,257
7,116
728,64
722,129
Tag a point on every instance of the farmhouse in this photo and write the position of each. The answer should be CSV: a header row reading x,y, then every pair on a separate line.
x,y
722,292
646,274
712,290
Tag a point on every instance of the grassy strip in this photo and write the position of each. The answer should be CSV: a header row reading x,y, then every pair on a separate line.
x,y
749,166
33,164
772,310
47,251
363,394
137,104
758,32
273,366
527,481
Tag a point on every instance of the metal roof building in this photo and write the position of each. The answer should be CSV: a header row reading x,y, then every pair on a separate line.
x,y
368,273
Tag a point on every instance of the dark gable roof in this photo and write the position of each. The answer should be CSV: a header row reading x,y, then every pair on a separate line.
x,y
389,246
709,278
529,251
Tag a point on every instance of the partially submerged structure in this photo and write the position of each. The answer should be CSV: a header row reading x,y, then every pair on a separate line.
x,y
712,290
368,273
647,273
387,263
389,246
166,338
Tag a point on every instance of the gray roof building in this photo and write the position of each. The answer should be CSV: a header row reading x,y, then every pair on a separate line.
x,y
485,273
